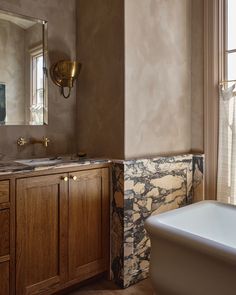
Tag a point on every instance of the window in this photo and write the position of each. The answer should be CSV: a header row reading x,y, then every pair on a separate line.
x,y
226,180
37,82
230,40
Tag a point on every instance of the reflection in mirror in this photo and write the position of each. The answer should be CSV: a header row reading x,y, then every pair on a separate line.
x,y
23,80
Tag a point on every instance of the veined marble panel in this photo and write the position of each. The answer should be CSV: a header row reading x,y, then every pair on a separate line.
x,y
117,224
198,173
142,188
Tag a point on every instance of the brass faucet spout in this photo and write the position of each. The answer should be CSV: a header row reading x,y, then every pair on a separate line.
x,y
45,141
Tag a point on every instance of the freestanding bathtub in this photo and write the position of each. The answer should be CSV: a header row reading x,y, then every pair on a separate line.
x,y
193,250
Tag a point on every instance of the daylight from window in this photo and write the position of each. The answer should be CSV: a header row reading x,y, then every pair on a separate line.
x,y
231,40
37,89
231,74
226,181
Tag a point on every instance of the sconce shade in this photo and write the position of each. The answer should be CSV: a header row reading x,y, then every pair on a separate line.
x,y
64,73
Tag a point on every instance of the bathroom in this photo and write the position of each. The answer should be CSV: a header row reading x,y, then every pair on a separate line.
x,y
117,147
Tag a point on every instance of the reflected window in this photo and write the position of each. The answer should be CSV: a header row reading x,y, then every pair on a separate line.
x,y
37,93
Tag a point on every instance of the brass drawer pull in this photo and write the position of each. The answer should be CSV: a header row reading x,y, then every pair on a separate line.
x,y
74,177
65,178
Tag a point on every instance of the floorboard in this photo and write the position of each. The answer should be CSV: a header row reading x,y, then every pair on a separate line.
x,y
103,287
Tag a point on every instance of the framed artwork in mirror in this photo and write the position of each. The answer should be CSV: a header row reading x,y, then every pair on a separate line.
x,y
2,103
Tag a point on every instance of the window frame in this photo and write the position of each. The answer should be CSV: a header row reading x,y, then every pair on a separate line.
x,y
213,74
215,38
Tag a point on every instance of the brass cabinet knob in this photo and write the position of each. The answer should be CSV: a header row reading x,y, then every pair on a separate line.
x,y
74,177
65,178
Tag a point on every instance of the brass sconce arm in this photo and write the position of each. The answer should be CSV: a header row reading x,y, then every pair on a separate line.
x,y
64,73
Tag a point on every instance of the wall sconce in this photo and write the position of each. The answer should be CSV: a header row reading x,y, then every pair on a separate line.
x,y
64,73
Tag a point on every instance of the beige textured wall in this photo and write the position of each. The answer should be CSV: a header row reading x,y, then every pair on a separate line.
x,y
197,90
61,17
157,77
12,48
100,124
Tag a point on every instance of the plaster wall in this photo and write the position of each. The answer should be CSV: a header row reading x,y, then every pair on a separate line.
x,y
148,48
61,17
157,77
100,48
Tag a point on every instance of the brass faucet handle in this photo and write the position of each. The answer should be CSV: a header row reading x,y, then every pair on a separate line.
x,y
21,141
46,141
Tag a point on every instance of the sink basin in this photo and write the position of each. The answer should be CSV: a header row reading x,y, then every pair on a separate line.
x,y
53,161
43,161
11,166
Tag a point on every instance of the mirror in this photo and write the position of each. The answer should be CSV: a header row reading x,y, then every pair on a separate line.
x,y
23,74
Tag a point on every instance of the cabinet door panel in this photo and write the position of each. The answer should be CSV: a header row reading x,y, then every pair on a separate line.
x,y
4,232
41,240
4,191
4,278
88,223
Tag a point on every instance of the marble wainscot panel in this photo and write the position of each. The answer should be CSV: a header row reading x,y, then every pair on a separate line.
x,y
117,224
198,172
142,188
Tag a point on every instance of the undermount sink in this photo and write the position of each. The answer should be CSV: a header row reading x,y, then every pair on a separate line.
x,y
39,162
45,161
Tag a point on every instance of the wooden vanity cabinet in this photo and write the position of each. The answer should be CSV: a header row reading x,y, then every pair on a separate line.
x,y
41,233
62,230
4,238
4,278
88,223
4,251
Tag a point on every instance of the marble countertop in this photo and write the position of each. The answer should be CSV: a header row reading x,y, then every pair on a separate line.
x,y
30,165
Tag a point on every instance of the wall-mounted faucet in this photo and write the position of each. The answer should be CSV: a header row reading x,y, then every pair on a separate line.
x,y
21,141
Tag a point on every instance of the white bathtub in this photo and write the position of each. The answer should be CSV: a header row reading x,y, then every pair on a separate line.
x,y
193,250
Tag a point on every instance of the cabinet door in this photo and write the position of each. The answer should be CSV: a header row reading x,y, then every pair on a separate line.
x,y
4,278
4,251
88,223
41,233
4,232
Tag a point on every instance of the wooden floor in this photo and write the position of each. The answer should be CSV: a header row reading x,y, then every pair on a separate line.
x,y
103,287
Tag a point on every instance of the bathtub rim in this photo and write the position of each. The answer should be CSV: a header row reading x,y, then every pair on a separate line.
x,y
156,228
